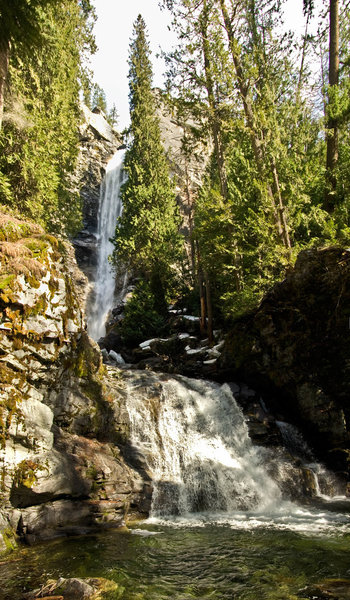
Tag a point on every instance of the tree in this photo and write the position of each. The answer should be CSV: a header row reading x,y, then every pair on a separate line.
x,y
20,27
235,67
146,237
332,125
39,140
98,98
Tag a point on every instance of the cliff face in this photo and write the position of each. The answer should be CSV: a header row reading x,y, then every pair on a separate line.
x,y
296,347
98,143
61,414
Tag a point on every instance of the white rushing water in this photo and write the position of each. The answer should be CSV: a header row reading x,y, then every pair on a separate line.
x,y
203,465
110,209
198,451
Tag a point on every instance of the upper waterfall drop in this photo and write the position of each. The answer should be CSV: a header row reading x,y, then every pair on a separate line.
x,y
110,209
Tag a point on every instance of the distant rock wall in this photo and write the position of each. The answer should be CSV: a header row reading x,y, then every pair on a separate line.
x,y
62,418
296,347
187,167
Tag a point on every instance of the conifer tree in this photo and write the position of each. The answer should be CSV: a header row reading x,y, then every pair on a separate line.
x,y
20,26
39,140
146,238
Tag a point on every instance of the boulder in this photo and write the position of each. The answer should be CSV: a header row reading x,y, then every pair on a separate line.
x,y
295,347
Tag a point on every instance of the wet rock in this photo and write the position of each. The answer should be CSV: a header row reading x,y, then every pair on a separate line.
x,y
75,589
294,346
335,589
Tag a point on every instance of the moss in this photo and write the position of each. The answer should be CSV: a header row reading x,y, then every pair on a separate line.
x,y
9,540
26,473
53,285
6,374
39,307
9,410
5,280
13,230
87,360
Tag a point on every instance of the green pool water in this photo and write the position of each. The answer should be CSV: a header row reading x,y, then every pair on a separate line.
x,y
177,562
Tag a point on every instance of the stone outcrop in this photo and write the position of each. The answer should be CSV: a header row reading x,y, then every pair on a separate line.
x,y
62,417
295,347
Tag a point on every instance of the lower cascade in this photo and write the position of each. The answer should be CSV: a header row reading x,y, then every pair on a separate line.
x,y
191,439
198,454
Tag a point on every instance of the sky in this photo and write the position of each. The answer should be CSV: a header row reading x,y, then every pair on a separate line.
x,y
113,31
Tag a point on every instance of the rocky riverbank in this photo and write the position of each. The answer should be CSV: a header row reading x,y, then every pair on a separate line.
x,y
61,414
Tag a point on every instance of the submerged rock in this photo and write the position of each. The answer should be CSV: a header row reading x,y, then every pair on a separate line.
x,y
329,589
75,589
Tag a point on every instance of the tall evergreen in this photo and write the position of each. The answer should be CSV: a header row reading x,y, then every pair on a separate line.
x,y
39,140
146,238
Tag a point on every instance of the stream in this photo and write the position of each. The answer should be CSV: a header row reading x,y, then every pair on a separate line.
x,y
185,561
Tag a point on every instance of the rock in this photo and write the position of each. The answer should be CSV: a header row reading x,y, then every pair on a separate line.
x,y
62,419
75,589
116,357
99,125
294,346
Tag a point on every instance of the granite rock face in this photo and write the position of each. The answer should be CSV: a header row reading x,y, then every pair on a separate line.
x,y
98,142
296,348
62,418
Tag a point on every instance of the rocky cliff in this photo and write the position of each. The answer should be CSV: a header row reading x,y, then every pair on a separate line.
x,y
98,142
296,347
62,417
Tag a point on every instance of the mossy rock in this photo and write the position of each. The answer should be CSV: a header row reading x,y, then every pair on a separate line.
x,y
96,588
8,542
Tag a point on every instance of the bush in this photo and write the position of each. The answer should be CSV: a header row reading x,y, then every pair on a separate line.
x,y
142,319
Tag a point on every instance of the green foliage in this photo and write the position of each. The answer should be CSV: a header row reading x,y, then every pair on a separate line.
x,y
142,319
146,237
240,74
39,140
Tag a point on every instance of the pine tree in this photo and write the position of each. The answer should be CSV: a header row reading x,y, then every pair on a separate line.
x,y
146,238
39,141
332,125
20,27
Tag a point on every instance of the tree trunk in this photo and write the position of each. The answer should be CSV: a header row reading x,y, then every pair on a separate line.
x,y
256,141
202,322
332,126
209,308
214,120
157,288
303,56
4,66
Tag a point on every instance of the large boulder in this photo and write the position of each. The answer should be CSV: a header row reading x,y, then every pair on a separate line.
x,y
296,347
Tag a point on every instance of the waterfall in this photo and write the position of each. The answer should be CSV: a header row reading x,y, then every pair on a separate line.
x,y
110,209
324,483
195,442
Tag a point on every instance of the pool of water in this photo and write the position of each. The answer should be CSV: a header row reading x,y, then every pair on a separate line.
x,y
204,557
